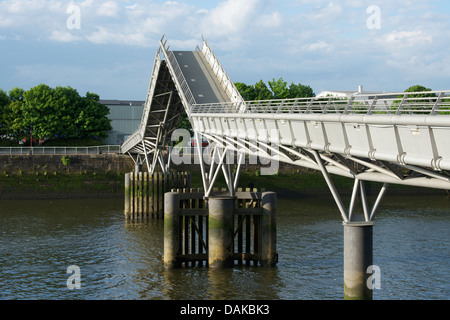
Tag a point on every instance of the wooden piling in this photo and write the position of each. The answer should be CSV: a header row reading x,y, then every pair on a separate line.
x,y
144,192
127,203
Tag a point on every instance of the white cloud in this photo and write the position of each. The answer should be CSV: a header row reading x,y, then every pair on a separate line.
x,y
268,21
64,36
408,38
108,9
331,10
126,37
320,46
301,40
229,18
29,16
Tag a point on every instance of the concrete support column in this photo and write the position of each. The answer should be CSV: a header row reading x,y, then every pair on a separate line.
x,y
221,227
358,256
269,229
171,230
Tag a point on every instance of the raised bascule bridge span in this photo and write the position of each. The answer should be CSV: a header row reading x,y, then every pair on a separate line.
x,y
392,138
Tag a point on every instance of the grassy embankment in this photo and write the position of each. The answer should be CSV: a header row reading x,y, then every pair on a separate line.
x,y
107,182
26,184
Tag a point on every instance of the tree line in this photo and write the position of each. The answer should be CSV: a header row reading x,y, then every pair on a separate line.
x,y
276,89
45,113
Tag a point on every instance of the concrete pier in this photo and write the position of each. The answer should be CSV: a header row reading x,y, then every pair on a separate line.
x,y
269,254
171,230
358,256
221,228
219,231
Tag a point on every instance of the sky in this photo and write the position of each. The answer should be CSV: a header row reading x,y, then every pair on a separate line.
x,y
108,46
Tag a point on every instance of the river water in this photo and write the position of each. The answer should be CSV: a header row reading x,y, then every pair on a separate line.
x,y
39,240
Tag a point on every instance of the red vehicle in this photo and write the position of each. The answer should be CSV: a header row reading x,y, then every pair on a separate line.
x,y
26,141
204,143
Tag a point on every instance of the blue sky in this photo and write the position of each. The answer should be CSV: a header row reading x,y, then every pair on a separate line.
x,y
330,45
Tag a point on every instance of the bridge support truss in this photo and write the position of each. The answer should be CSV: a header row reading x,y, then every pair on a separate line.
x,y
357,227
358,237
392,138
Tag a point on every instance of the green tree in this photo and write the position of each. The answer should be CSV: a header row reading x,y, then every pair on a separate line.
x,y
279,88
300,91
67,104
4,103
14,116
262,92
419,106
419,88
92,120
40,116
185,123
49,113
247,91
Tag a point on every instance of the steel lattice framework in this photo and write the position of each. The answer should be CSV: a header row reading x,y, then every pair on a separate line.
x,y
395,138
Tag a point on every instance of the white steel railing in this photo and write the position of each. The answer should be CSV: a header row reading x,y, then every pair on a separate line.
x,y
179,77
435,103
107,149
220,73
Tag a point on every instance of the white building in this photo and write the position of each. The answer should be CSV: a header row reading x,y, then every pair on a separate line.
x,y
347,94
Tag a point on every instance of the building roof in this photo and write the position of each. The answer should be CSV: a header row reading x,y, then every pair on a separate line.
x,y
347,94
122,102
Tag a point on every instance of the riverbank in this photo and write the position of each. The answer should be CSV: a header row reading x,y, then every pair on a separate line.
x,y
103,185
62,177
102,176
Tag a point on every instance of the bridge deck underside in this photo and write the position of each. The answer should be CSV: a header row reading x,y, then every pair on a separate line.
x,y
411,155
162,114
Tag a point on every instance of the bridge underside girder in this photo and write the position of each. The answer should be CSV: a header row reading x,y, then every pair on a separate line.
x,y
162,113
227,152
347,166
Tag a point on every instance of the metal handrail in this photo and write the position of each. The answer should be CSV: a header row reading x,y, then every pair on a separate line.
x,y
217,68
386,103
178,73
108,149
